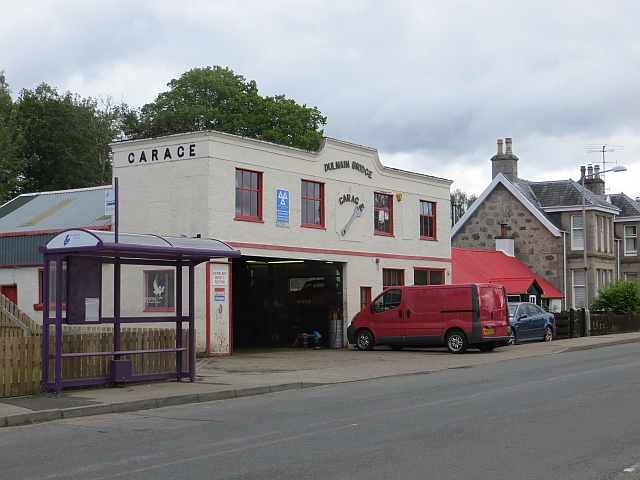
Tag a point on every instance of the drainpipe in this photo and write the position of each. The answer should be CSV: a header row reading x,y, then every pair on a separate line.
x,y
618,241
564,269
587,319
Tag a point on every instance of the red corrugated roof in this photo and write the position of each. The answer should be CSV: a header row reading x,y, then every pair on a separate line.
x,y
490,266
547,287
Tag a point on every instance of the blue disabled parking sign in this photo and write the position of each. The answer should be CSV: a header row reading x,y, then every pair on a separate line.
x,y
282,207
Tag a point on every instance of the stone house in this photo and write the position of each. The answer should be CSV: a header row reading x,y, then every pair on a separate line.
x,y
626,229
541,224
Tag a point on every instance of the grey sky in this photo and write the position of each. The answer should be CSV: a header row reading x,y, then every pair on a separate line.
x,y
431,84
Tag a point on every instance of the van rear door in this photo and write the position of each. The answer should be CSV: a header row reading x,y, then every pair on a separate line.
x,y
493,311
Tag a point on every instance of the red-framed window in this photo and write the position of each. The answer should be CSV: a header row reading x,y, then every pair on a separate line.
x,y
382,214
427,220
365,297
52,287
392,277
312,204
11,292
428,276
248,195
159,291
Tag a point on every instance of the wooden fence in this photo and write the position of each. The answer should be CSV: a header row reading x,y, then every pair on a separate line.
x,y
21,365
14,322
605,323
21,351
563,324
21,357
571,324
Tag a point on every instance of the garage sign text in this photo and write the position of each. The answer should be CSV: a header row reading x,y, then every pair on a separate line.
x,y
348,165
157,154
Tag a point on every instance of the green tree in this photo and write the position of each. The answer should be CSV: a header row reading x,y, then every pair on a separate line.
x,y
623,296
215,98
11,163
66,139
460,202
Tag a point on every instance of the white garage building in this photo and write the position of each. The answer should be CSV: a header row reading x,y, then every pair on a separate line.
x,y
336,220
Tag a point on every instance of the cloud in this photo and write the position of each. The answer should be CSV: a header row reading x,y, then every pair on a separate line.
x,y
432,84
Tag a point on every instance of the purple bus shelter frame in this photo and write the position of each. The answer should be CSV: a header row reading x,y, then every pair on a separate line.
x,y
132,249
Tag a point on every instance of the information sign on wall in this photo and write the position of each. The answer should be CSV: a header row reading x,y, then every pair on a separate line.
x,y
282,207
110,202
219,308
218,276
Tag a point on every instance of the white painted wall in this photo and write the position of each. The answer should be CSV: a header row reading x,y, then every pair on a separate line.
x,y
27,280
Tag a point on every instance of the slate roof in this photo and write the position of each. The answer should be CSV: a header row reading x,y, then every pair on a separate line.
x,y
47,211
629,208
559,194
544,199
469,265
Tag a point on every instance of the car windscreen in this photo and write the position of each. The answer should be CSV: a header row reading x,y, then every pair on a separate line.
x,y
512,309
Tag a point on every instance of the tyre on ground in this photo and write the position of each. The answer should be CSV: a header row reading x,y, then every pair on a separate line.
x,y
456,341
364,340
548,334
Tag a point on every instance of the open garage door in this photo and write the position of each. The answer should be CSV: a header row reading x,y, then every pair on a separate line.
x,y
275,300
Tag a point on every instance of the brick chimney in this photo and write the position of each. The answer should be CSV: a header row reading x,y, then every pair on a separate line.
x,y
593,181
505,163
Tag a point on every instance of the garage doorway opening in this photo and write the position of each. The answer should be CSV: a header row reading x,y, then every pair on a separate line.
x,y
275,300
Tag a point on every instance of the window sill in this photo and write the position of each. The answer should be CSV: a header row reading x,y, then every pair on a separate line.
x,y
630,254
52,306
312,225
383,234
431,239
249,219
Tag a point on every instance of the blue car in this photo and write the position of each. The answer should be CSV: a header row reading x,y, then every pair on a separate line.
x,y
528,322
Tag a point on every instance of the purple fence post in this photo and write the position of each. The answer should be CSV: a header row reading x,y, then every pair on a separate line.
x,y
58,361
179,317
117,273
45,322
192,330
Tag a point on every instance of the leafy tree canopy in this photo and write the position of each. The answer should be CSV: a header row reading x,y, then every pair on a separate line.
x,y
215,98
66,139
460,202
11,162
623,296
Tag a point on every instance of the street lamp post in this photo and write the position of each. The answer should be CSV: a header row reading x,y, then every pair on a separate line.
x,y
617,168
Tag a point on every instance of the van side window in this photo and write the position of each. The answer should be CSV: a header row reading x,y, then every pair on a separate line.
x,y
388,300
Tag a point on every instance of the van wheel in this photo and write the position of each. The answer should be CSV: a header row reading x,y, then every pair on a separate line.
x,y
396,347
364,340
548,334
456,341
512,336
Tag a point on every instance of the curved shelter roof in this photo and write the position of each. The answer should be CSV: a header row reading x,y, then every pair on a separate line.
x,y
131,245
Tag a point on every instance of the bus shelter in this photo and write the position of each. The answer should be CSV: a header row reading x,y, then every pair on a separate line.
x,y
83,254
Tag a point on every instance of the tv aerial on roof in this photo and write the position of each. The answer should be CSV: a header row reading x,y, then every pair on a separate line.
x,y
603,148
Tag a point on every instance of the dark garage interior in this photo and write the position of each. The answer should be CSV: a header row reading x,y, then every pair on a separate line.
x,y
276,300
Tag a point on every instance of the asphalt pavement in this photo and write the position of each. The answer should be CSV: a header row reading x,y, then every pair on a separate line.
x,y
263,371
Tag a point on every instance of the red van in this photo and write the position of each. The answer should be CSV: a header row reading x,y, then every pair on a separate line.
x,y
458,316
